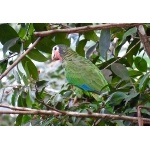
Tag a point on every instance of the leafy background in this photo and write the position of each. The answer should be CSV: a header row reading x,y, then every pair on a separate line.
x,y
118,53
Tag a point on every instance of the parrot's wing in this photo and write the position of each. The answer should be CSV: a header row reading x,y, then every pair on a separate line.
x,y
83,73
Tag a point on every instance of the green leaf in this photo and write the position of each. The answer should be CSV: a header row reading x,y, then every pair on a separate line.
x,y
22,100
41,84
19,120
22,33
16,75
37,56
131,31
22,76
135,73
8,33
140,64
91,35
25,119
116,98
9,44
144,82
14,96
135,47
90,50
40,26
120,70
30,68
61,38
29,100
80,47
104,43
3,66
45,45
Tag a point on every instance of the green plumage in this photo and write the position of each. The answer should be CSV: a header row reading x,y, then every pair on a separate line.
x,y
81,72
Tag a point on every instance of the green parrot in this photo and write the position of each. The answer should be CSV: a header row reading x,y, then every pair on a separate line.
x,y
80,71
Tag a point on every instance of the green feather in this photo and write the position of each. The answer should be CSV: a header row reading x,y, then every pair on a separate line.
x,y
81,71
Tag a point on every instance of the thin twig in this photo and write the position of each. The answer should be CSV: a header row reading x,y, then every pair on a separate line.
x,y
19,58
123,55
22,110
140,120
85,28
144,107
51,108
144,39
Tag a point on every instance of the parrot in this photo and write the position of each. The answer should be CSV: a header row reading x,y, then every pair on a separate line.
x,y
79,71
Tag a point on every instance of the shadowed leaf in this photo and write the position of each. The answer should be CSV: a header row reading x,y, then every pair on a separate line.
x,y
104,42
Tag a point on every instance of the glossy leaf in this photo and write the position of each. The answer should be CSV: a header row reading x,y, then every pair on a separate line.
x,y
25,119
140,64
135,73
120,70
61,38
30,68
22,76
19,120
80,47
14,97
90,51
144,82
3,66
116,98
28,99
16,75
37,56
41,84
133,47
45,45
91,35
8,33
104,43
131,31
9,44
40,26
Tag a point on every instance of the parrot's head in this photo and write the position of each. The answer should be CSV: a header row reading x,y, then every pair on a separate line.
x,y
59,51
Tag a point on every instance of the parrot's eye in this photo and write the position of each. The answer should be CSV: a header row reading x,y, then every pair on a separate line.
x,y
55,48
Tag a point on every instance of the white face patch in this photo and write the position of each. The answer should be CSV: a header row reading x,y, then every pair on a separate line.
x,y
55,48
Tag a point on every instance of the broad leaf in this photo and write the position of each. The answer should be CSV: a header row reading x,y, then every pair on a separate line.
x,y
120,70
90,51
7,33
140,64
131,31
91,35
144,82
80,47
9,44
37,56
116,98
104,43
30,68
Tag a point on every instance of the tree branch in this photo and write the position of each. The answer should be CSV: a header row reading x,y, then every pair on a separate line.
x,y
25,111
86,28
20,58
140,120
144,39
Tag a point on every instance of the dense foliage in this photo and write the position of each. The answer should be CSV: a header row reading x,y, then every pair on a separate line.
x,y
118,53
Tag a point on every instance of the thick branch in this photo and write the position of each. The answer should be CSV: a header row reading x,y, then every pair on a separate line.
x,y
21,110
144,39
85,28
20,58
